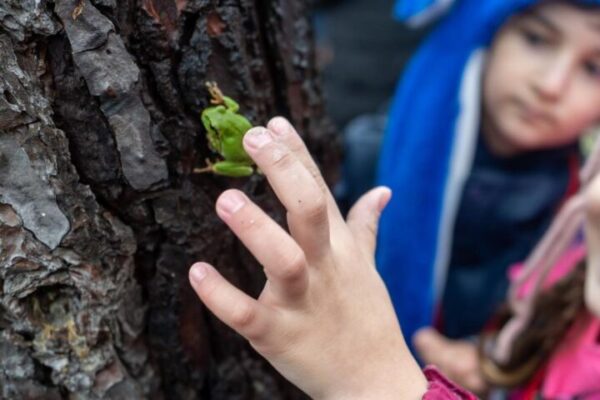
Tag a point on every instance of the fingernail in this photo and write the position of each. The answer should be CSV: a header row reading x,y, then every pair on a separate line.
x,y
384,198
279,126
231,202
198,272
257,138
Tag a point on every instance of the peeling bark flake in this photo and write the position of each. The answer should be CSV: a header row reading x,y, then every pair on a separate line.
x,y
108,70
89,30
31,197
142,166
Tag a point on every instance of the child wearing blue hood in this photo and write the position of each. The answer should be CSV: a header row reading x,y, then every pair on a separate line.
x,y
480,152
324,318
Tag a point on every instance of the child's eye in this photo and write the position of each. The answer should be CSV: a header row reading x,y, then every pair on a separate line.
x,y
534,38
592,69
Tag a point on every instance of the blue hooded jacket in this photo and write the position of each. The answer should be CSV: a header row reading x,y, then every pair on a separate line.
x,y
429,146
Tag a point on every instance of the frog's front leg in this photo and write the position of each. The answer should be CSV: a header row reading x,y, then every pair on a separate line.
x,y
231,104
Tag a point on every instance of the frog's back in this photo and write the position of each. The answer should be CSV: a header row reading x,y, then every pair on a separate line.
x,y
233,148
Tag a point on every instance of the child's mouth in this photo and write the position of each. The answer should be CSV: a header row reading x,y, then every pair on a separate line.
x,y
534,115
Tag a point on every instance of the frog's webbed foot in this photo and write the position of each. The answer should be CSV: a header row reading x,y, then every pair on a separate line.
x,y
208,168
215,93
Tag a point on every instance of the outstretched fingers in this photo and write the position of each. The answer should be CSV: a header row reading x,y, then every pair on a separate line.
x,y
284,261
239,311
296,188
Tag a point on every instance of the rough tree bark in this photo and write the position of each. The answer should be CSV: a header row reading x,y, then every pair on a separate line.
x,y
100,213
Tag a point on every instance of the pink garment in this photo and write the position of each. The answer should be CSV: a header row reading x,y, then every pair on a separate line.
x,y
441,388
564,265
574,369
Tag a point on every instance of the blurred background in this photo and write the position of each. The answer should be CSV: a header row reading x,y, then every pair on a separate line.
x,y
362,51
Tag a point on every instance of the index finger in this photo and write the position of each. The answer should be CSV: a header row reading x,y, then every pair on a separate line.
x,y
295,187
287,134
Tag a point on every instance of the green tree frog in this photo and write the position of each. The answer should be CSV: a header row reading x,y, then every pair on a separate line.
x,y
225,129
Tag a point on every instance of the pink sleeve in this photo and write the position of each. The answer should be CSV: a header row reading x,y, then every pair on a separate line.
x,y
441,388
565,264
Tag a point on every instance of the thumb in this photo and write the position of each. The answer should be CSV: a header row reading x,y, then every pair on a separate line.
x,y
430,345
363,218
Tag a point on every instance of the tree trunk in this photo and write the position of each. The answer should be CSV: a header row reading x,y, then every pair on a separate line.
x,y
101,214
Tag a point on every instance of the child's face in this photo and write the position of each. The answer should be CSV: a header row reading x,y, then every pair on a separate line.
x,y
542,82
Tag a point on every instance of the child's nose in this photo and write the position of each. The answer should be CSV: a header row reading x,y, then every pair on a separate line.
x,y
552,80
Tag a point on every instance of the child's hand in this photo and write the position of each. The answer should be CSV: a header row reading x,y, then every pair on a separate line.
x,y
324,318
457,359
